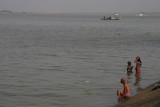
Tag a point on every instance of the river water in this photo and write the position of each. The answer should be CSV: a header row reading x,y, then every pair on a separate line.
x,y
74,60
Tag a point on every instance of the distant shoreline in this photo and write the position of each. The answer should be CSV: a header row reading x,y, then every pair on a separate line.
x,y
103,14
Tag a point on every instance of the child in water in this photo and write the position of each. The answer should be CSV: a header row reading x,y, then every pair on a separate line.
x,y
126,91
138,64
129,67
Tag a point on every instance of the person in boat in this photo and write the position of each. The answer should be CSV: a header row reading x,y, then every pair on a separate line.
x,y
138,64
104,17
129,67
110,18
126,91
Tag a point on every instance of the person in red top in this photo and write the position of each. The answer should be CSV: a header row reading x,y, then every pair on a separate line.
x,y
138,64
126,91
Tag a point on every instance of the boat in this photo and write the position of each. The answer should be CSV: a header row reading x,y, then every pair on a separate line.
x,y
140,14
110,18
148,97
115,17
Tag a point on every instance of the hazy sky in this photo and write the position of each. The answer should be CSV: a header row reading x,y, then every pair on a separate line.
x,y
100,6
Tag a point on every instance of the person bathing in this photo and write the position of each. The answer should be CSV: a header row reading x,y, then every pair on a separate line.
x,y
129,67
126,91
138,64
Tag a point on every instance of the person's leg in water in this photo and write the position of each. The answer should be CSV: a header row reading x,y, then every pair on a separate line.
x,y
119,94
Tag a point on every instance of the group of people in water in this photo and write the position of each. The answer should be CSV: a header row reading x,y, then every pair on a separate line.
x,y
125,93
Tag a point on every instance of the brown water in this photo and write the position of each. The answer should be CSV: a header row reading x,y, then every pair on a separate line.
x,y
73,60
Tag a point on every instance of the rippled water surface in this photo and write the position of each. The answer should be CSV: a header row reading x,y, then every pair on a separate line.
x,y
74,60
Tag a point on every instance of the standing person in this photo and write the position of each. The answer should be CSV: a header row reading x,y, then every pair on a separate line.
x,y
129,67
126,90
138,64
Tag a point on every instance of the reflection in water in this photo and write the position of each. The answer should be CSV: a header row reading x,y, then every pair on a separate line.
x,y
129,77
129,74
135,81
138,79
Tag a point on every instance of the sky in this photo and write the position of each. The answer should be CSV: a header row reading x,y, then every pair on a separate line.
x,y
81,6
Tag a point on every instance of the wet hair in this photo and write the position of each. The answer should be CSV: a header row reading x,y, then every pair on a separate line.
x,y
123,80
129,63
139,59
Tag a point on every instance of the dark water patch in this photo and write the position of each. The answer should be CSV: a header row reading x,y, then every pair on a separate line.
x,y
51,55
51,69
52,95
